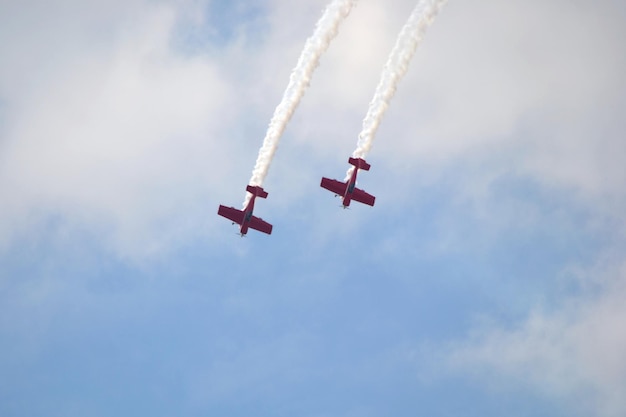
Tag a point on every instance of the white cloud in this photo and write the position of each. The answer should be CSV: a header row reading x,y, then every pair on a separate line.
x,y
107,124
540,80
117,133
488,66
572,354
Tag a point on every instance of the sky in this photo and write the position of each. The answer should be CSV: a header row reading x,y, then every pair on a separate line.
x,y
487,280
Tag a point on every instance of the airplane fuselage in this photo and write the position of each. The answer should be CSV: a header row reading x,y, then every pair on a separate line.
x,y
347,196
249,210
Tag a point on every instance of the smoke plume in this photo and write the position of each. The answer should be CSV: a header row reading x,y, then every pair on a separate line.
x,y
325,30
397,64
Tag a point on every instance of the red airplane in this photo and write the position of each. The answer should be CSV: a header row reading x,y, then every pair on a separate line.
x,y
244,217
348,189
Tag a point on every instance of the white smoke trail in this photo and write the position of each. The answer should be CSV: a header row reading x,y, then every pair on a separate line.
x,y
397,64
325,30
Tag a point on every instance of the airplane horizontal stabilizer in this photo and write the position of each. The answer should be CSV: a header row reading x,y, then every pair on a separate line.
x,y
359,163
257,191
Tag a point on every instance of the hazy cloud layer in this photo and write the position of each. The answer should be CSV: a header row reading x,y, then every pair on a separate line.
x,y
118,131
573,352
109,115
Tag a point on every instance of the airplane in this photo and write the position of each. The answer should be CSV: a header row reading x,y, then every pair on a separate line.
x,y
348,189
244,217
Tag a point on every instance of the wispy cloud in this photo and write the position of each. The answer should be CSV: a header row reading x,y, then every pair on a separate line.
x,y
113,133
571,353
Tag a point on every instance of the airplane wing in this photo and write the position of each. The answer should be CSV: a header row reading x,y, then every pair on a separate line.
x,y
231,213
363,197
261,225
335,186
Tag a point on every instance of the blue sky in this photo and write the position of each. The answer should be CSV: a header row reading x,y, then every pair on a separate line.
x,y
488,280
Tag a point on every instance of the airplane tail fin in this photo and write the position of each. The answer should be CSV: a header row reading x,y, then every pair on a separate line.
x,y
257,191
359,163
